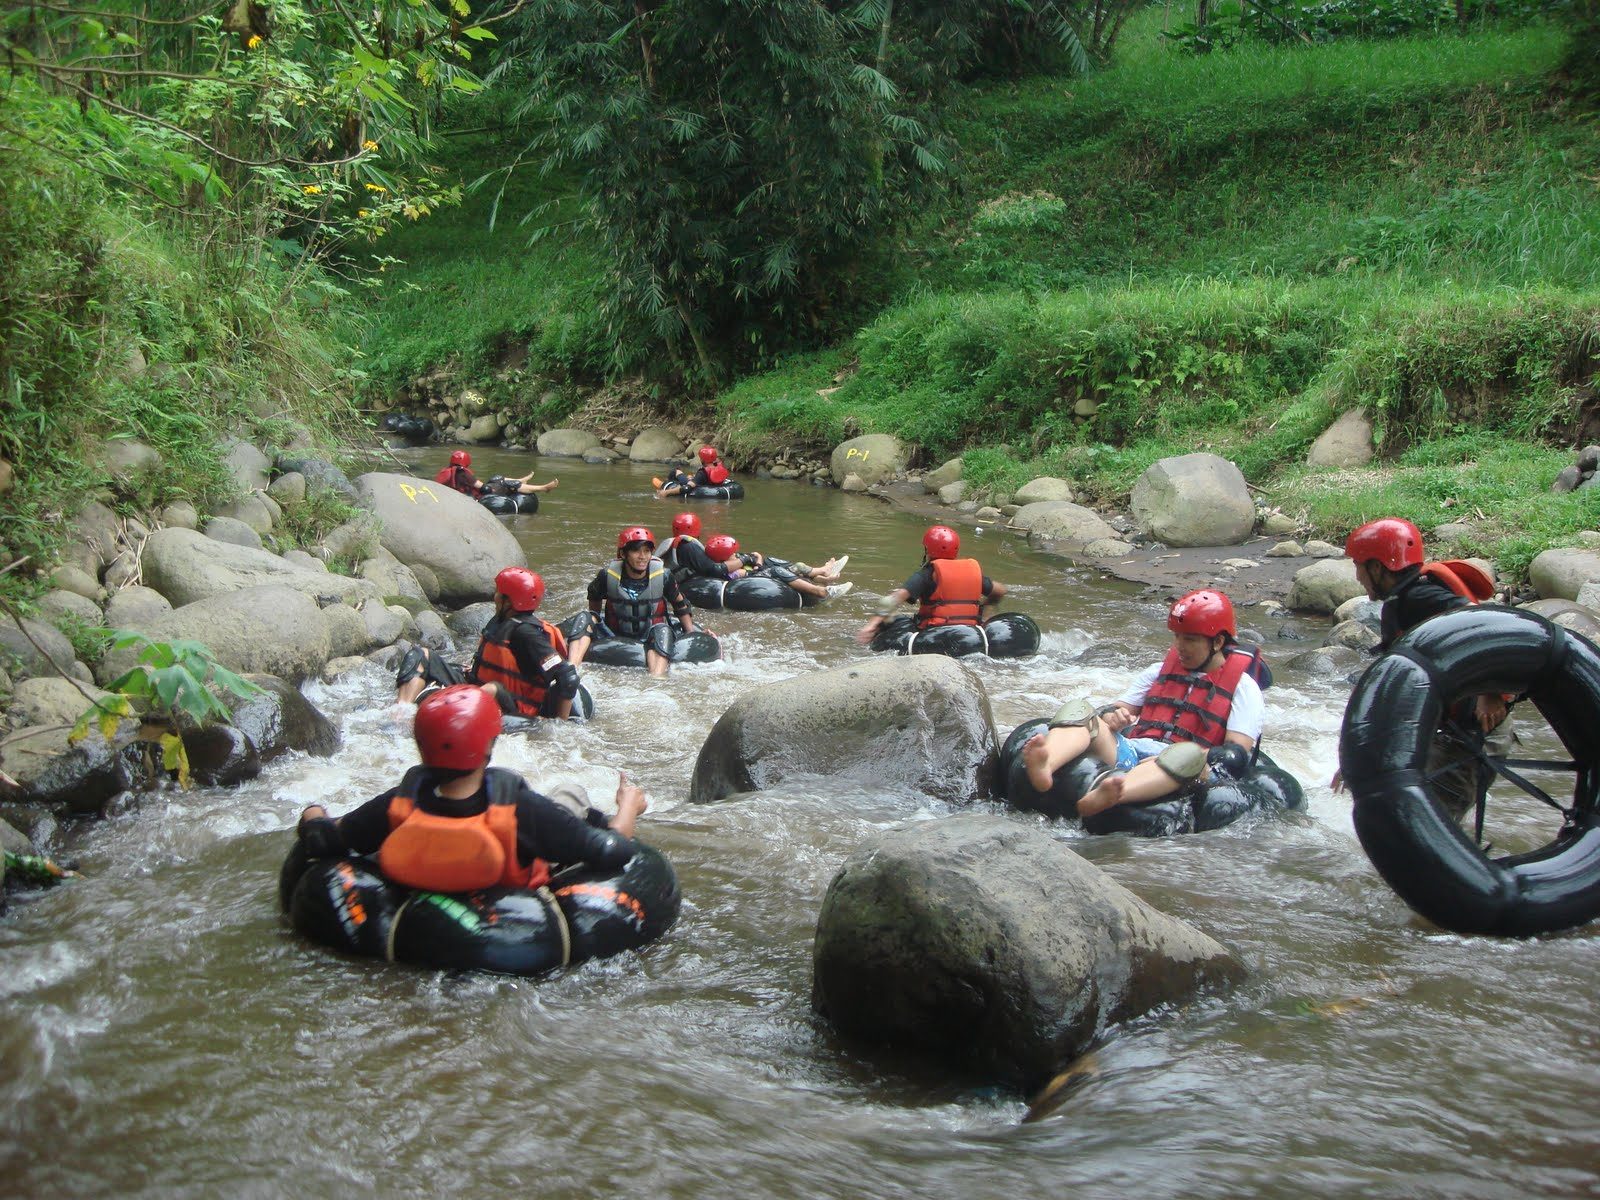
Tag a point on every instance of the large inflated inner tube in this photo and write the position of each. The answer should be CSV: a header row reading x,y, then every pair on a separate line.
x,y
1008,635
750,594
701,646
1389,726
506,506
733,490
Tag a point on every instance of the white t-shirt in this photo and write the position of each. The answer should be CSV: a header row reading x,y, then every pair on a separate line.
x,y
1247,716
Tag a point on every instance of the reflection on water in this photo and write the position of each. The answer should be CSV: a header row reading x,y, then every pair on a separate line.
x,y
165,1035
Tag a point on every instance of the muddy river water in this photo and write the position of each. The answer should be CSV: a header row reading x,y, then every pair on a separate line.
x,y
163,1033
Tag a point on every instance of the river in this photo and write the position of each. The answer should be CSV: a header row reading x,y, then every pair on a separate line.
x,y
165,1034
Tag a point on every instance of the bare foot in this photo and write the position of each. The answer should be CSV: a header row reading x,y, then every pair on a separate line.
x,y
1036,758
1107,794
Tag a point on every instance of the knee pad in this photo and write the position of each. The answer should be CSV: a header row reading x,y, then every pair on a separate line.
x,y
1230,759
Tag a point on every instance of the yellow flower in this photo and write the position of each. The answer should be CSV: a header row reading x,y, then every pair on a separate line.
x,y
312,189
255,40
373,187
363,212
369,145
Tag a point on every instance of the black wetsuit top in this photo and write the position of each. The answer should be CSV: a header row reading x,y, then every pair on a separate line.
x,y
920,585
1412,602
544,829
532,649
690,558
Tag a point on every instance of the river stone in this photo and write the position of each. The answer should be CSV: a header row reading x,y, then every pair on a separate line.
x,y
853,483
1345,443
1277,525
320,474
874,457
96,526
1194,500
393,578
58,604
427,581
565,443
943,475
988,514
14,841
133,607
50,700
220,755
1359,608
1285,550
1062,521
951,493
274,629
185,566
1560,574
233,531
249,467
655,445
482,430
1324,585
347,631
278,719
1107,548
256,510
920,723
1569,615
1353,635
992,946
355,539
1567,480
1316,548
71,578
180,514
338,668
468,623
127,457
1451,531
463,543
289,488
600,455
301,558
76,778
383,625
1328,662
431,632
26,659
1045,487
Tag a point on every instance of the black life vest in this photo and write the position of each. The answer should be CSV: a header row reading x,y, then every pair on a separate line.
x,y
631,615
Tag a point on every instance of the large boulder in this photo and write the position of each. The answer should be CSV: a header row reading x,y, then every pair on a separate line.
x,y
393,578
127,457
1194,500
347,630
921,723
566,443
250,468
874,457
1046,487
134,606
992,945
655,445
97,527
274,630
185,566
278,719
233,531
455,537
1324,585
50,700
1345,443
1561,573
28,646
943,476
1569,615
61,609
1062,521
288,489
320,474
78,778
257,510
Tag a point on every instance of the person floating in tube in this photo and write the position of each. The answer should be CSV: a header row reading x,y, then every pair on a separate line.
x,y
457,476
712,473
1203,695
1388,555
947,590
521,660
720,558
456,824
631,598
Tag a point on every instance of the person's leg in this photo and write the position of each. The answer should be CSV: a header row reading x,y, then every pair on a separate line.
x,y
656,664
658,648
1076,727
577,648
1178,766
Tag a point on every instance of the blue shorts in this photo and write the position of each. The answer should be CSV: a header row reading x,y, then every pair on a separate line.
x,y
1133,751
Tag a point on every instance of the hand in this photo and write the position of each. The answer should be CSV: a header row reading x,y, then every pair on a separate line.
x,y
759,557
865,634
1491,710
631,799
1117,719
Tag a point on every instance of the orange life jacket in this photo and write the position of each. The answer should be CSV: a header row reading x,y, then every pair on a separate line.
x,y
1185,706
1462,578
457,854
497,663
957,596
451,478
717,474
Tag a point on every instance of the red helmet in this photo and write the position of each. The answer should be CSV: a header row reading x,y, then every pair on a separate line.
x,y
635,533
941,542
455,727
460,458
721,548
708,455
1206,613
686,523
522,587
1394,542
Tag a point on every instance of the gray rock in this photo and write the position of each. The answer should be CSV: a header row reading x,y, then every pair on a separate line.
x,y
1107,548
289,488
126,457
1451,531
1194,500
355,539
278,719
250,468
566,443
468,623
1345,443
14,841
347,631
1569,615
991,945
320,474
78,779
1328,662
853,483
874,457
427,580
383,625
50,700
58,604
408,623
1359,608
301,558
458,539
75,579
1316,548
655,445
431,632
97,527
233,531
785,473
1589,595
951,493
1062,521
1277,525
921,723
1561,573
989,513
1566,480
253,511
942,476
338,668
1353,635
180,514
483,430
27,646
184,567
273,629
393,578
1045,487
600,455
134,607
124,569
1286,550
1324,585
220,755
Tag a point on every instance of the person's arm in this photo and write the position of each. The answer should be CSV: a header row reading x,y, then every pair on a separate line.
x,y
597,594
537,656
1247,715
993,593
361,830
680,606
548,831
886,609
